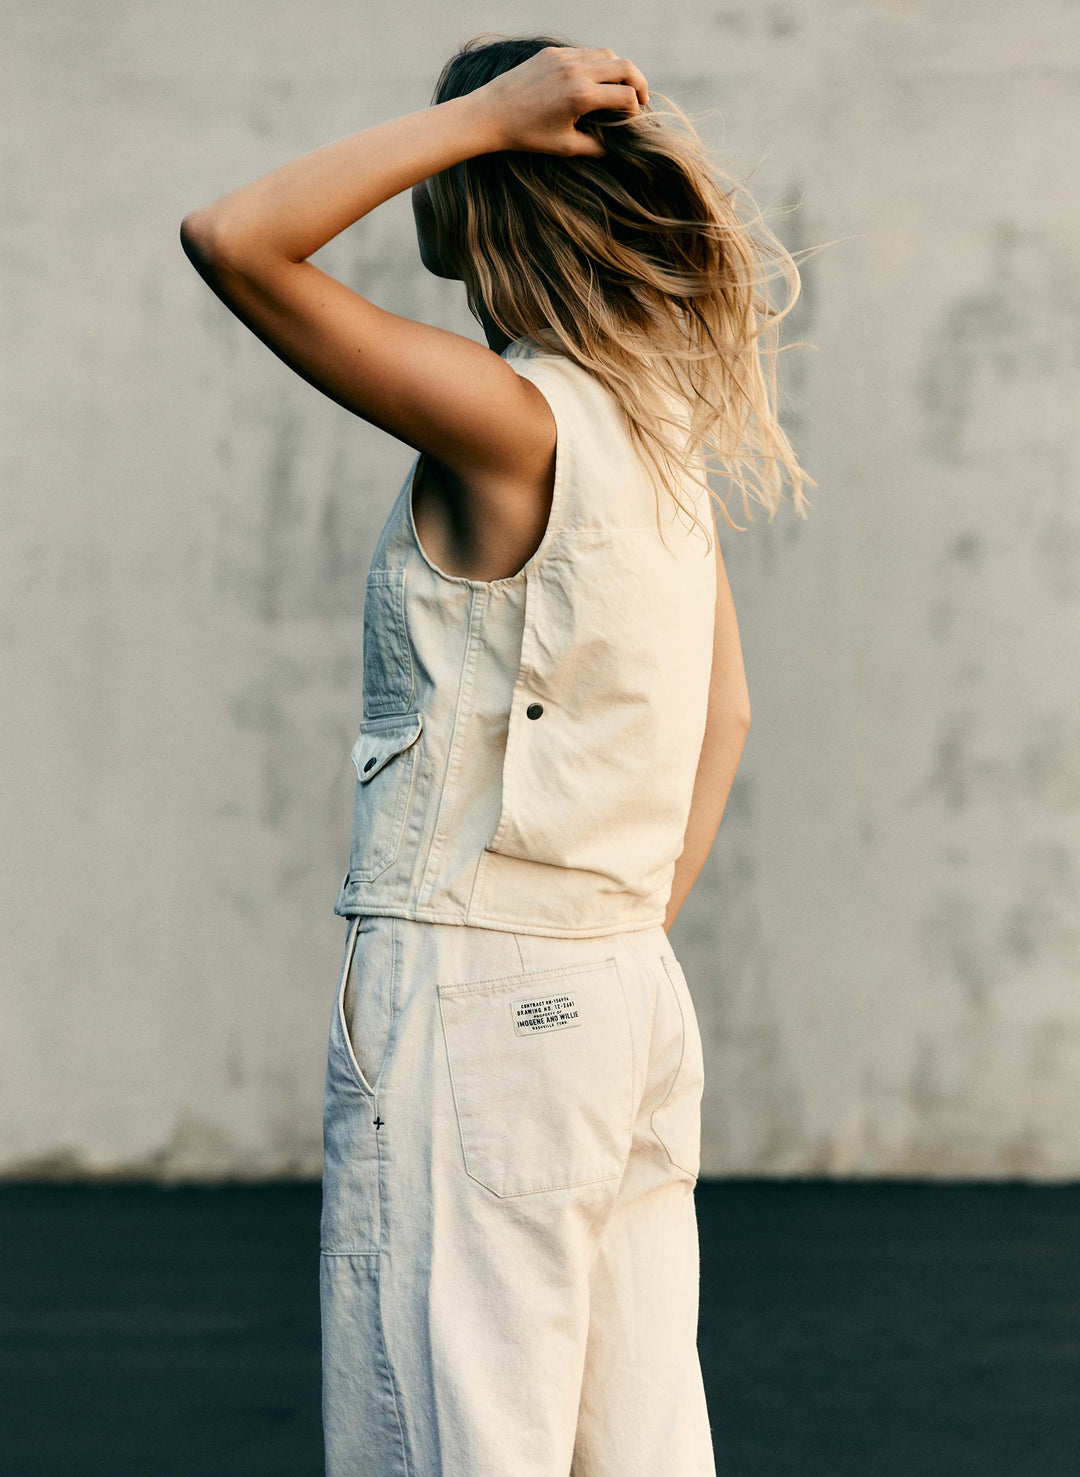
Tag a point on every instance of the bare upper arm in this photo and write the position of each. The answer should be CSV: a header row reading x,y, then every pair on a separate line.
x,y
729,697
439,392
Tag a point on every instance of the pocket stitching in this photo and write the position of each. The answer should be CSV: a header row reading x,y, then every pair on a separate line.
x,y
392,581
505,983
379,863
350,1056
378,727
500,982
676,1075
338,1231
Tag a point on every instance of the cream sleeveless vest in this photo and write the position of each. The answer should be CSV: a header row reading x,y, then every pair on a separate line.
x,y
528,746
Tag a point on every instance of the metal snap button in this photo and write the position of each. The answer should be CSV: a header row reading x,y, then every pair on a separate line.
x,y
371,761
534,710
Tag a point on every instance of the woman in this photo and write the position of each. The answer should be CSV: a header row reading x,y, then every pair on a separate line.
x,y
554,707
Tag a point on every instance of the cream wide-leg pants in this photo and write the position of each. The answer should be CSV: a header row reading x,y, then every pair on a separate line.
x,y
509,1257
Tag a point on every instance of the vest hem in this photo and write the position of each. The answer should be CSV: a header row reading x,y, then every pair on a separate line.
x,y
501,925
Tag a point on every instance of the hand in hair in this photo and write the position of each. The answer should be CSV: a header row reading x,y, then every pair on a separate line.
x,y
535,107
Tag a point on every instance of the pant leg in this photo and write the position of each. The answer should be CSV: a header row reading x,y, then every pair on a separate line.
x,y
454,1297
505,1238
643,1411
362,1424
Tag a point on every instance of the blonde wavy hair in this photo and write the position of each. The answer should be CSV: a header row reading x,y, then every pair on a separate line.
x,y
638,267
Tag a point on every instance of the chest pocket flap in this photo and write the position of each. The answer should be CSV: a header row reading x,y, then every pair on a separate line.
x,y
377,745
387,748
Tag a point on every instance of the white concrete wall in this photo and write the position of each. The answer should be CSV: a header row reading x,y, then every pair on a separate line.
x,y
884,948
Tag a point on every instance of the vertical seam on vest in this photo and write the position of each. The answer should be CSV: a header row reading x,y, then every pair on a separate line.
x,y
513,729
534,576
384,1226
462,712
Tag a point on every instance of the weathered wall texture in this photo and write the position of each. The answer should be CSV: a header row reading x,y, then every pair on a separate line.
x,y
885,947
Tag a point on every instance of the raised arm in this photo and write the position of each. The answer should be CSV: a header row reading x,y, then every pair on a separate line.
x,y
439,392
721,749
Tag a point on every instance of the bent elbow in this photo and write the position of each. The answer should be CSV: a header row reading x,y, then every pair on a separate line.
x,y
195,238
731,716
200,236
727,727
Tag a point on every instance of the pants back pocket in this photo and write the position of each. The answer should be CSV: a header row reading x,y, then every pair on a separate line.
x,y
542,1069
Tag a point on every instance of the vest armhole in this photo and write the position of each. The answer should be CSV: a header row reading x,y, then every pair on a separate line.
x,y
551,385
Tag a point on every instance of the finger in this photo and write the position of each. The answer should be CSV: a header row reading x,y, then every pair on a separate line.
x,y
591,53
610,68
613,95
587,146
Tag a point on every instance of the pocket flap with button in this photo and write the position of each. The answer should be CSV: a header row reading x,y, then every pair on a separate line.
x,y
382,741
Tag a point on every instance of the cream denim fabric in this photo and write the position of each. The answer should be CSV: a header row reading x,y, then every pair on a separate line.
x,y
509,1268
528,746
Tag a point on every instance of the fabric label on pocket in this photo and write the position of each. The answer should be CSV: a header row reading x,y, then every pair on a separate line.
x,y
554,1111
547,1013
